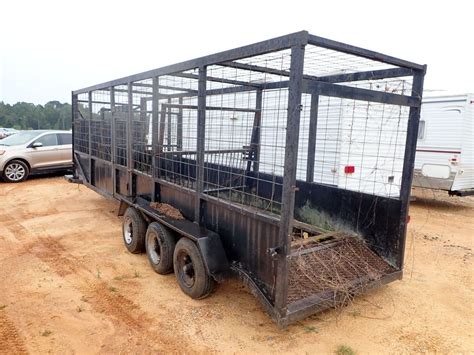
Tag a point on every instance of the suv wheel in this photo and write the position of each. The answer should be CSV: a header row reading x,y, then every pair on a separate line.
x,y
15,171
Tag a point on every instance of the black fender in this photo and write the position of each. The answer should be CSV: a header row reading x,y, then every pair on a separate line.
x,y
214,256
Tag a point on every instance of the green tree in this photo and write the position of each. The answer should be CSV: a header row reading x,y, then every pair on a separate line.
x,y
24,115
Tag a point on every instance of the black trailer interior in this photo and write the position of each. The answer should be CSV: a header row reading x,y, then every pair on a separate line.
x,y
287,162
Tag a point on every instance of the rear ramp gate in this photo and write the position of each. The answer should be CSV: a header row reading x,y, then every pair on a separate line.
x,y
294,156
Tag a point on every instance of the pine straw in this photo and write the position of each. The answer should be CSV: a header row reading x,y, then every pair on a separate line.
x,y
335,272
167,210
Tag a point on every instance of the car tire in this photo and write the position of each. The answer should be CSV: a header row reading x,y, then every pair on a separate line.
x,y
190,271
133,231
15,171
159,245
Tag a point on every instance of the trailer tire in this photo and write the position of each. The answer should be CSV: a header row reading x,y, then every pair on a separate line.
x,y
133,231
159,245
190,271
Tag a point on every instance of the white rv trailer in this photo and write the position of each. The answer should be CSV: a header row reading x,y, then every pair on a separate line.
x,y
445,149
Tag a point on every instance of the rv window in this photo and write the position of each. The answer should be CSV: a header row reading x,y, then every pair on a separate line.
x,y
421,130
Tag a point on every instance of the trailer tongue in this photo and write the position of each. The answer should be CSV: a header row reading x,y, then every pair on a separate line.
x,y
288,163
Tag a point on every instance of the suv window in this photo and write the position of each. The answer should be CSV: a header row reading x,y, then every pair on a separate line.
x,y
65,138
48,140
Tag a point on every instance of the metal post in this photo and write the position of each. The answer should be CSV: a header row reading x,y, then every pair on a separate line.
x,y
409,158
113,139
201,131
154,130
289,174
130,138
90,136
313,125
168,130
73,121
179,133
256,133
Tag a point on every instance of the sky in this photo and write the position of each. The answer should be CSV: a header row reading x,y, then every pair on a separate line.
x,y
49,48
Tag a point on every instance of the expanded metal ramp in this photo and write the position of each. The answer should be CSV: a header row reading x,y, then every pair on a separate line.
x,y
334,269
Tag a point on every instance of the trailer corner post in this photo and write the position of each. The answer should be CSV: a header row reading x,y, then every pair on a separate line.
x,y
113,139
201,135
289,175
74,109
409,157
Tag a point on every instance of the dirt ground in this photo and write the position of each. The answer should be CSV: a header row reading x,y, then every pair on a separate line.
x,y
67,285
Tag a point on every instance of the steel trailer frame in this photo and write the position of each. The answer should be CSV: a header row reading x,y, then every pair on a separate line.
x,y
215,224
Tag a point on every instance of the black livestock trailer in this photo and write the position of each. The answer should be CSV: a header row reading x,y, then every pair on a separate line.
x,y
287,163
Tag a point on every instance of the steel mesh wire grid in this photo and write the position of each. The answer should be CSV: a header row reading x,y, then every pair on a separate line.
x,y
81,124
120,118
245,130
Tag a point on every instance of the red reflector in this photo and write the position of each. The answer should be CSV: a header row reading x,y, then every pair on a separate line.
x,y
408,219
349,169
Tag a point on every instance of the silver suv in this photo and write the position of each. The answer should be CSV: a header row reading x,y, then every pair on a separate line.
x,y
30,152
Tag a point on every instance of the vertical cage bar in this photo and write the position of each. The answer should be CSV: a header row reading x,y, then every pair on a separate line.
x,y
89,96
179,130
409,158
112,137
256,133
313,125
154,130
289,175
129,137
73,128
201,135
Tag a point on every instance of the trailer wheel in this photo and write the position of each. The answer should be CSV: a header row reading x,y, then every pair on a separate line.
x,y
190,270
133,231
159,244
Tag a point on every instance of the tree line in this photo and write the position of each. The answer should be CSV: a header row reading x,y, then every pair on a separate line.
x,y
24,115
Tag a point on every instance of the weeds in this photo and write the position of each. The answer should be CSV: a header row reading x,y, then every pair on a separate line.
x,y
137,274
79,309
113,289
46,333
310,329
98,273
345,350
355,313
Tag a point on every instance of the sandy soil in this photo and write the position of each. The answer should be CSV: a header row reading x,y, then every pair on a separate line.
x,y
67,285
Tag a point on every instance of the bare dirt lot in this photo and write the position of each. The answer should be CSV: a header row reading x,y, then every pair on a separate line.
x,y
67,285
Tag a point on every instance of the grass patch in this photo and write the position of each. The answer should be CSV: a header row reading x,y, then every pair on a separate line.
x,y
345,350
98,274
120,278
46,333
355,313
136,274
113,289
310,329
